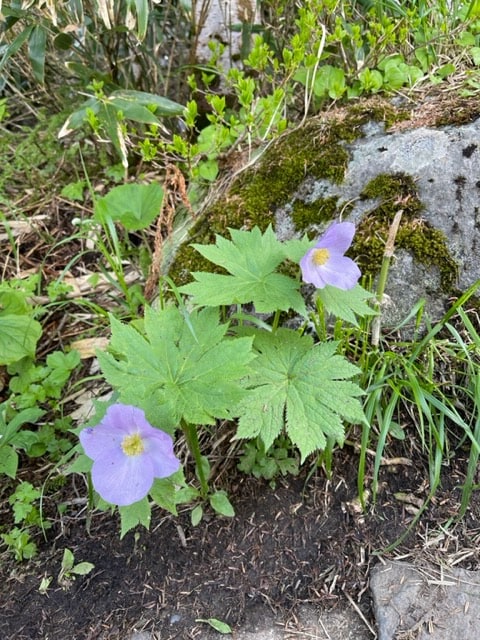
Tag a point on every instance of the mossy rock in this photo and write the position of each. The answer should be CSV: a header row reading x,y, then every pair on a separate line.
x,y
365,163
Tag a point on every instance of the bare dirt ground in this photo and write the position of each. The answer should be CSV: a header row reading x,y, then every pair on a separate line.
x,y
304,542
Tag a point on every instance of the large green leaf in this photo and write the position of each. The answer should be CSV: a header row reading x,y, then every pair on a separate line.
x,y
251,258
134,205
19,335
299,386
142,10
132,110
183,368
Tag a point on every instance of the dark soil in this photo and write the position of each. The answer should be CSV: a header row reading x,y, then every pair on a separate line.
x,y
304,541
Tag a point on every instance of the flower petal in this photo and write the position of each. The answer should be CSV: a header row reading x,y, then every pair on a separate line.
x,y
340,272
159,448
338,237
96,440
126,418
119,421
121,479
311,273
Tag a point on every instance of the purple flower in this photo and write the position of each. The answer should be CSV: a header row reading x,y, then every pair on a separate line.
x,y
325,263
127,453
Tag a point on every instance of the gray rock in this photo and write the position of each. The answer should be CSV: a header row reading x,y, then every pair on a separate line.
x,y
445,166
425,603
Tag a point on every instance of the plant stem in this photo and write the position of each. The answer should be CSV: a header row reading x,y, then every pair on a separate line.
x,y
382,280
191,434
276,321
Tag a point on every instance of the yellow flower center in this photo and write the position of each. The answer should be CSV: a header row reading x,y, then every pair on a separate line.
x,y
133,445
320,256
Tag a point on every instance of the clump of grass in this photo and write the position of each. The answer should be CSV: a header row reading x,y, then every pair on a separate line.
x,y
428,387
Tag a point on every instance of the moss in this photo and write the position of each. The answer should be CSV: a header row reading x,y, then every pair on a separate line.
x,y
305,214
397,191
379,111
428,245
464,112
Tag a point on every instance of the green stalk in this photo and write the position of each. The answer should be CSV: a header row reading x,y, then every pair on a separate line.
x,y
191,435
276,321
382,280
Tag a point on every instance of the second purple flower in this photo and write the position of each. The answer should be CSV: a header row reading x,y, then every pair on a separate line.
x,y
326,264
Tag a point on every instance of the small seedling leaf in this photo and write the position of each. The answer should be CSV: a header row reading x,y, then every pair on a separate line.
x,y
221,504
218,625
196,515
82,568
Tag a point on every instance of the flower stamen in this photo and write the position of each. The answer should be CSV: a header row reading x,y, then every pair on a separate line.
x,y
320,256
132,445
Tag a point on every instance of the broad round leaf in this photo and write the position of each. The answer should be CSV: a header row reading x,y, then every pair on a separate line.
x,y
134,205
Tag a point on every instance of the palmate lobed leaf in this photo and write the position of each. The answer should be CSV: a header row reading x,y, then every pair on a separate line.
x,y
303,387
268,293
251,258
184,368
346,304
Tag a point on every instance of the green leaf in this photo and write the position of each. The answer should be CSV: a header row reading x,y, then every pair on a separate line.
x,y
11,49
74,190
133,515
163,106
13,303
8,461
82,568
134,205
165,491
18,337
196,515
36,52
251,257
221,504
208,170
330,81
336,83
81,464
346,304
78,118
133,111
466,39
183,368
218,625
302,387
142,10
475,53
110,119
371,79
67,560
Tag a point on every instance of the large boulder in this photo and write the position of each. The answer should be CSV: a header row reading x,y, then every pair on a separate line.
x,y
364,164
